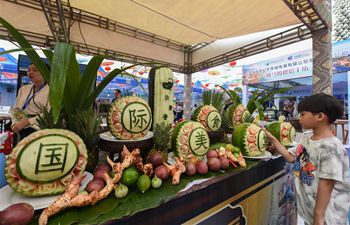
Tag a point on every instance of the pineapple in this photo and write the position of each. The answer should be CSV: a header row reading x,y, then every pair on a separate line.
x,y
87,125
161,139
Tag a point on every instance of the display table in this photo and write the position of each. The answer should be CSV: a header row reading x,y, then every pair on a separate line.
x,y
212,201
262,194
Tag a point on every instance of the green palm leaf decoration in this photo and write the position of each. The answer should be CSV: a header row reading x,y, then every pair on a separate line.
x,y
72,94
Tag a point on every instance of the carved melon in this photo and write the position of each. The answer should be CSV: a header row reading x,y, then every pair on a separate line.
x,y
190,139
129,118
44,162
250,138
161,94
237,115
208,116
283,131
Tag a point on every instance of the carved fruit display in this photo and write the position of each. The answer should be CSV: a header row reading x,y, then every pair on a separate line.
x,y
283,131
161,94
237,115
208,116
190,139
250,138
129,118
44,162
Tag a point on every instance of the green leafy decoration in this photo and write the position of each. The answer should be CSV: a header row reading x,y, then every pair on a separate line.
x,y
206,97
263,96
25,45
236,100
61,62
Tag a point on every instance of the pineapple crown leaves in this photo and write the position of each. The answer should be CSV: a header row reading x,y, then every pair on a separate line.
x,y
213,98
87,125
162,135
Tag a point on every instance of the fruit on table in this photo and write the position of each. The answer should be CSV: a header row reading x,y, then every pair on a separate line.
x,y
44,162
95,184
190,139
283,131
100,170
121,190
225,163
190,168
208,116
143,183
201,167
161,139
129,118
162,172
214,164
130,176
156,182
161,94
212,154
250,139
17,214
156,159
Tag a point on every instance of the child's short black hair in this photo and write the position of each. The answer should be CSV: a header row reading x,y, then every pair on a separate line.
x,y
324,103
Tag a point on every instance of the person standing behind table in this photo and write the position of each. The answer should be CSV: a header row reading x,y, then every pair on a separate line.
x,y
116,95
30,100
321,163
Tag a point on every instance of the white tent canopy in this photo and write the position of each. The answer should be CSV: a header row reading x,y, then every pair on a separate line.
x,y
180,33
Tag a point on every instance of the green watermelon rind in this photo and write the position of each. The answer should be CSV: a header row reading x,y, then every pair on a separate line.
x,y
174,136
45,189
36,139
275,129
237,139
229,114
196,113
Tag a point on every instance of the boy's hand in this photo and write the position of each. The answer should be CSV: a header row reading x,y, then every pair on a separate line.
x,y
269,135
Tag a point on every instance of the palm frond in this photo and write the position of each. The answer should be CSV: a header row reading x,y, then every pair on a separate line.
x,y
236,100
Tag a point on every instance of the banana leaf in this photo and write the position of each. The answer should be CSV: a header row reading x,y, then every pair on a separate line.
x,y
72,95
87,85
25,45
60,70
91,98
112,208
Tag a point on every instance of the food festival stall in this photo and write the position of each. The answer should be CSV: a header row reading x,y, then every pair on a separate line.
x,y
180,56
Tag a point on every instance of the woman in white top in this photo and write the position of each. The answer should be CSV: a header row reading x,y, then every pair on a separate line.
x,y
29,102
